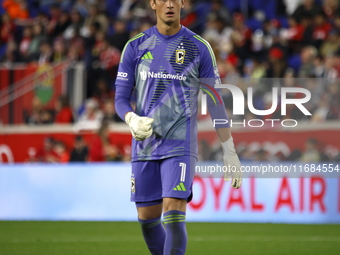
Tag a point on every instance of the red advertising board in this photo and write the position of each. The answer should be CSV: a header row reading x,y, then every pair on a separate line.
x,y
17,143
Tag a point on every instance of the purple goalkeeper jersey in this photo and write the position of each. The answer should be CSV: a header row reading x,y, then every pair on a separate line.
x,y
166,74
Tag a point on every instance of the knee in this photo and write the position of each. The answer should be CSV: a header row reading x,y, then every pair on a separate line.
x,y
177,204
149,212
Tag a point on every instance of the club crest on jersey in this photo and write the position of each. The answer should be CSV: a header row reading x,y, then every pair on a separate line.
x,y
133,186
180,54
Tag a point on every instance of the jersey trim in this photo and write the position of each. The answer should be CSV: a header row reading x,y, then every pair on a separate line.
x,y
132,39
212,97
209,48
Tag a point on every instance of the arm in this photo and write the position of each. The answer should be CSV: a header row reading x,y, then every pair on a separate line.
x,y
125,81
140,126
216,108
224,134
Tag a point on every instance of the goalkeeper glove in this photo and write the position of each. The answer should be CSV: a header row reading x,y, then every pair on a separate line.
x,y
140,126
233,164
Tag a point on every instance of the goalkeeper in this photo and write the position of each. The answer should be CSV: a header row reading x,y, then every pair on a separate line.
x,y
166,66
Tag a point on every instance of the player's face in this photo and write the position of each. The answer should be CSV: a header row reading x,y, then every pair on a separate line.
x,y
167,11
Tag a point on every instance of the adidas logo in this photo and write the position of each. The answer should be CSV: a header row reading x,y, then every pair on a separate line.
x,y
147,55
180,187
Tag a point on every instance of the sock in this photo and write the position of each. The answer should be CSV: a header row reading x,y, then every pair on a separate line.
x,y
176,233
154,235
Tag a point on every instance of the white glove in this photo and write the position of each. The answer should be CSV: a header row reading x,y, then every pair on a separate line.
x,y
140,126
232,163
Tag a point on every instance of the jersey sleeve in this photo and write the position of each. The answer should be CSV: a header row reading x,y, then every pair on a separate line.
x,y
126,69
125,80
209,77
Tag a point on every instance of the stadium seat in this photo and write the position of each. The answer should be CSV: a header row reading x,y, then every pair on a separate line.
x,y
254,24
233,5
295,62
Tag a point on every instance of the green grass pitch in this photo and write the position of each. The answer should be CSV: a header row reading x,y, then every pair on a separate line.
x,y
120,238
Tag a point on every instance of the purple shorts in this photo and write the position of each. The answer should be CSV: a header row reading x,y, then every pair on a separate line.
x,y
154,179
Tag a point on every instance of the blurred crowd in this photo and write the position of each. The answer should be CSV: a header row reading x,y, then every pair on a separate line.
x,y
301,43
100,147
313,150
269,43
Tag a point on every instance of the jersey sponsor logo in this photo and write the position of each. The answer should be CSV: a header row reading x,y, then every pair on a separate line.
x,y
122,76
160,75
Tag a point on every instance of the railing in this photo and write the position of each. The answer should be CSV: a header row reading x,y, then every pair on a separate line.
x,y
21,83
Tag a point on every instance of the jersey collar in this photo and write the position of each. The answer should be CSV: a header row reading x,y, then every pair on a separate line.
x,y
168,37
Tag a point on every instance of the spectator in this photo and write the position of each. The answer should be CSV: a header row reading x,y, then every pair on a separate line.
x,y
189,17
334,91
80,150
307,23
331,8
38,38
16,9
330,46
64,114
308,54
219,11
81,6
205,151
241,39
12,54
45,54
101,148
321,30
55,13
261,155
103,92
109,58
25,43
321,112
46,117
38,115
96,17
294,34
91,117
63,156
62,22
134,11
105,59
59,50
311,153
277,63
7,29
76,47
308,8
73,30
219,35
47,153
120,36
336,25
110,114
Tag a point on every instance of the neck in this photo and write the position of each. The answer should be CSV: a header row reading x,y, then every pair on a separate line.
x,y
168,30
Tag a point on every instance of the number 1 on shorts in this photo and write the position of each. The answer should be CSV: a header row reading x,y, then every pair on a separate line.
x,y
184,166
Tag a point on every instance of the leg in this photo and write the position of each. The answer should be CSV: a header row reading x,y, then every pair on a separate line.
x,y
177,178
153,231
146,192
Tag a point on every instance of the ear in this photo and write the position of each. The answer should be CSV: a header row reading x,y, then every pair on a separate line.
x,y
182,6
153,4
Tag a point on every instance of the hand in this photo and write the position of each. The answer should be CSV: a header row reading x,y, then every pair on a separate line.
x,y
232,163
140,126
